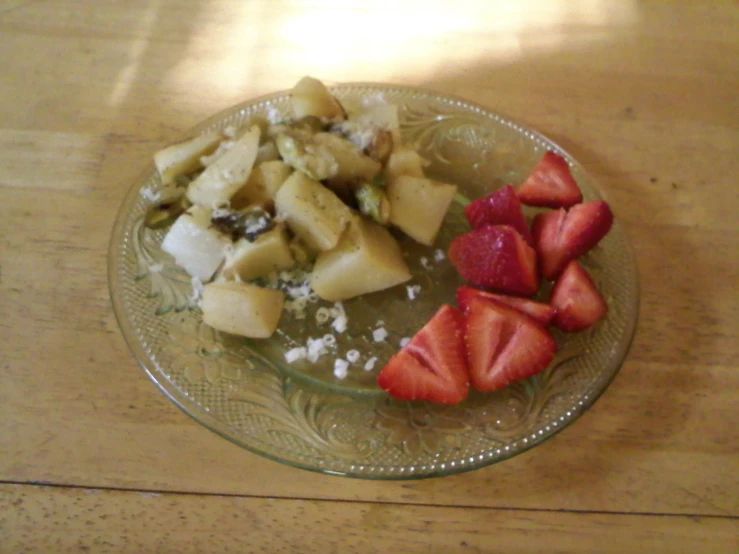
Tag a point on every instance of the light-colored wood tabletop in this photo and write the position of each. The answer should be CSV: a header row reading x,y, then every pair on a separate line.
x,y
93,458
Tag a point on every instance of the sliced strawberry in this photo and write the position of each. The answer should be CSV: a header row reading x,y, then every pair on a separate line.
x,y
538,311
498,257
503,345
432,366
561,236
578,302
550,184
500,207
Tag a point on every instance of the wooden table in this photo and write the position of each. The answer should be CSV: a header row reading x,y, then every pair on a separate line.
x,y
94,458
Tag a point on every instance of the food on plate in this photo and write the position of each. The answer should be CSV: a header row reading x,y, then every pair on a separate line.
x,y
432,365
503,344
578,302
215,186
550,184
241,308
312,191
185,157
564,235
500,207
366,259
496,256
418,206
538,311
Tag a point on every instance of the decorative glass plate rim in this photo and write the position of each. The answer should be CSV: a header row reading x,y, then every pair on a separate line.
x,y
197,412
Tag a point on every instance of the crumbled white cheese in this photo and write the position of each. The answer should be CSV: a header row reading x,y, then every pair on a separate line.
x,y
220,212
156,268
370,365
413,291
148,194
439,255
404,342
295,354
273,115
380,334
316,349
329,340
259,225
340,321
352,356
341,368
425,262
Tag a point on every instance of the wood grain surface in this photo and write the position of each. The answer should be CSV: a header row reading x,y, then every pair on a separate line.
x,y
644,94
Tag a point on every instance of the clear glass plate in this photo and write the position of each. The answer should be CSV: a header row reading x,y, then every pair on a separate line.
x,y
301,414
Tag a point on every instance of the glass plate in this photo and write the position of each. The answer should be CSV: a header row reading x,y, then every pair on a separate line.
x,y
301,415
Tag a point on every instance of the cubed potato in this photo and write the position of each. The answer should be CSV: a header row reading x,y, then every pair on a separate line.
x,y
311,211
215,186
269,252
404,161
418,206
311,97
299,151
262,184
353,166
184,157
242,309
366,259
267,152
195,244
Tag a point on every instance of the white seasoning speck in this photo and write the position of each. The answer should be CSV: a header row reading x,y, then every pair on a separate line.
x,y
439,256
353,356
295,354
404,342
380,334
315,349
230,131
425,262
197,291
341,368
370,365
329,340
149,194
413,291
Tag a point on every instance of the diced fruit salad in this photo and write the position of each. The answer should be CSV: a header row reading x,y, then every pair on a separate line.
x,y
501,332
317,193
321,191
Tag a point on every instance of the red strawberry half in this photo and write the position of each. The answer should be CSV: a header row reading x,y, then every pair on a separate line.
x,y
496,256
561,236
551,184
500,207
432,366
578,302
503,345
538,311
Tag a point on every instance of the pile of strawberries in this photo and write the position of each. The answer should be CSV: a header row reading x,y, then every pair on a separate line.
x,y
494,338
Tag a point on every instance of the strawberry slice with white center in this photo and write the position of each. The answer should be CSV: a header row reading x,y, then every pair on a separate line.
x,y
500,207
577,300
538,311
503,345
550,184
432,365
561,236
497,257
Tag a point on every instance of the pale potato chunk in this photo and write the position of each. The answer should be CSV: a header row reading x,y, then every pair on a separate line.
x,y
366,259
242,309
269,252
353,166
311,97
404,161
267,152
262,184
195,244
418,206
215,186
184,157
313,212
